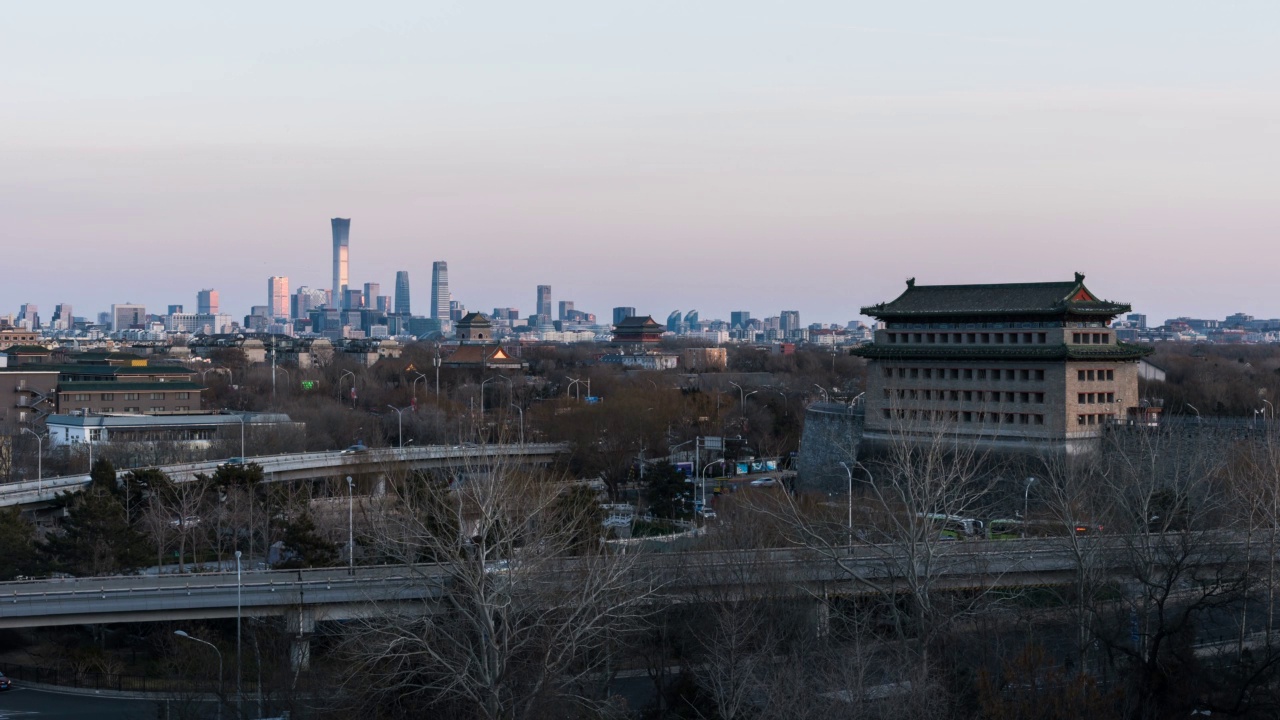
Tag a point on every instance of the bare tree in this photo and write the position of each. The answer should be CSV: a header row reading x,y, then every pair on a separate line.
x,y
527,618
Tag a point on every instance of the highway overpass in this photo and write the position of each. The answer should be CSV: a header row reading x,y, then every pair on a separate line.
x,y
309,466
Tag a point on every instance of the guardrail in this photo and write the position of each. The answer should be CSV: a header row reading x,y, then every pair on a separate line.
x,y
31,491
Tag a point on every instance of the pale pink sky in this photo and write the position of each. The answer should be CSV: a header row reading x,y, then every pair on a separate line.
x,y
718,156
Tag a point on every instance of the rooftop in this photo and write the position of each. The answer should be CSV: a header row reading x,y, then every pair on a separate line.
x,y
996,299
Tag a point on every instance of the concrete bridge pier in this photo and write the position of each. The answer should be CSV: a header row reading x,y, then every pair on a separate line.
x,y
821,617
301,624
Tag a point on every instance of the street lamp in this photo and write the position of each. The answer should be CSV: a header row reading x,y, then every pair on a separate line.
x,y
353,383
240,417
849,472
183,634
521,411
39,459
703,481
1273,409
399,424
1026,495
239,670
1193,407
351,532
825,397
436,361
422,378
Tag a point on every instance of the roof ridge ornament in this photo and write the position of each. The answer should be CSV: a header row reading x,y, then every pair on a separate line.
x,y
1079,277
911,282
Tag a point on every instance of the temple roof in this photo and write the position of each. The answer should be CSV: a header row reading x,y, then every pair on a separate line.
x,y
639,323
1050,298
473,320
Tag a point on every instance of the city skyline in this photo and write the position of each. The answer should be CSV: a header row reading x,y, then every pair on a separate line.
x,y
810,159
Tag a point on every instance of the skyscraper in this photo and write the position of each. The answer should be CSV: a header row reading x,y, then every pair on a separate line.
x,y
278,296
566,307
440,290
544,301
207,302
62,319
341,238
739,318
402,293
371,293
789,321
622,313
126,315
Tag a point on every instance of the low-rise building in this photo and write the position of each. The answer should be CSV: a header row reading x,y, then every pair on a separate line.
x,y
194,429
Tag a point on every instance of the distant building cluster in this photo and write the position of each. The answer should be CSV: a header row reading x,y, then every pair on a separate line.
x,y
1237,328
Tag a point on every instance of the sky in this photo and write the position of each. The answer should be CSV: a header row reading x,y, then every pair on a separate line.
x,y
716,156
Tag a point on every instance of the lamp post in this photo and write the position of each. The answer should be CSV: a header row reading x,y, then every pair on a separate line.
x,y
351,525
39,459
240,417
436,361
825,397
1193,407
239,670
521,411
1273,409
1026,495
703,482
183,634
353,383
399,424
849,472
422,378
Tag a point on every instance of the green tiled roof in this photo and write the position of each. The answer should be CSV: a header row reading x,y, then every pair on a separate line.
x,y
1051,298
1119,351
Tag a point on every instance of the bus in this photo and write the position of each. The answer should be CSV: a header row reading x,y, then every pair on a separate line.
x,y
956,527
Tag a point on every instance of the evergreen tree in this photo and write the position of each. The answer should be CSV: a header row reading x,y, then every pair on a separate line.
x,y
96,537
305,547
18,554
667,493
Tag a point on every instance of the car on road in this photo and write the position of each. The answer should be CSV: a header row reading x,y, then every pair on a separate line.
x,y
707,513
236,461
764,482
4,682
357,448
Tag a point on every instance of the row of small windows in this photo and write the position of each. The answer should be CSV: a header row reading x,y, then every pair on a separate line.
x,y
180,408
966,395
1089,375
996,325
965,416
107,397
1023,374
1095,419
1091,338
1027,338
1091,398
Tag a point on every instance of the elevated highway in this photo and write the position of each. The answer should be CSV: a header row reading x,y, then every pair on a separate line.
x,y
335,593
310,466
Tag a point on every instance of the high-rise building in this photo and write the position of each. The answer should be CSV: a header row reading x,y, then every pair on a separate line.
x,y
371,293
127,315
306,300
341,239
544,300
622,313
383,304
29,316
278,296
440,290
739,318
456,310
789,321
353,299
62,319
207,302
402,293
673,321
174,310
566,307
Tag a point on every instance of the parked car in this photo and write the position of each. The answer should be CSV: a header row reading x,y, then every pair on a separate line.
x,y
764,482
4,683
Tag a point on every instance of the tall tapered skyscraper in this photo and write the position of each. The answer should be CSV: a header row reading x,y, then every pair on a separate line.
x,y
440,290
402,292
341,237
544,301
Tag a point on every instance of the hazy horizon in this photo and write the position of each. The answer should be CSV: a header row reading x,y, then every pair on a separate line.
x,y
719,156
